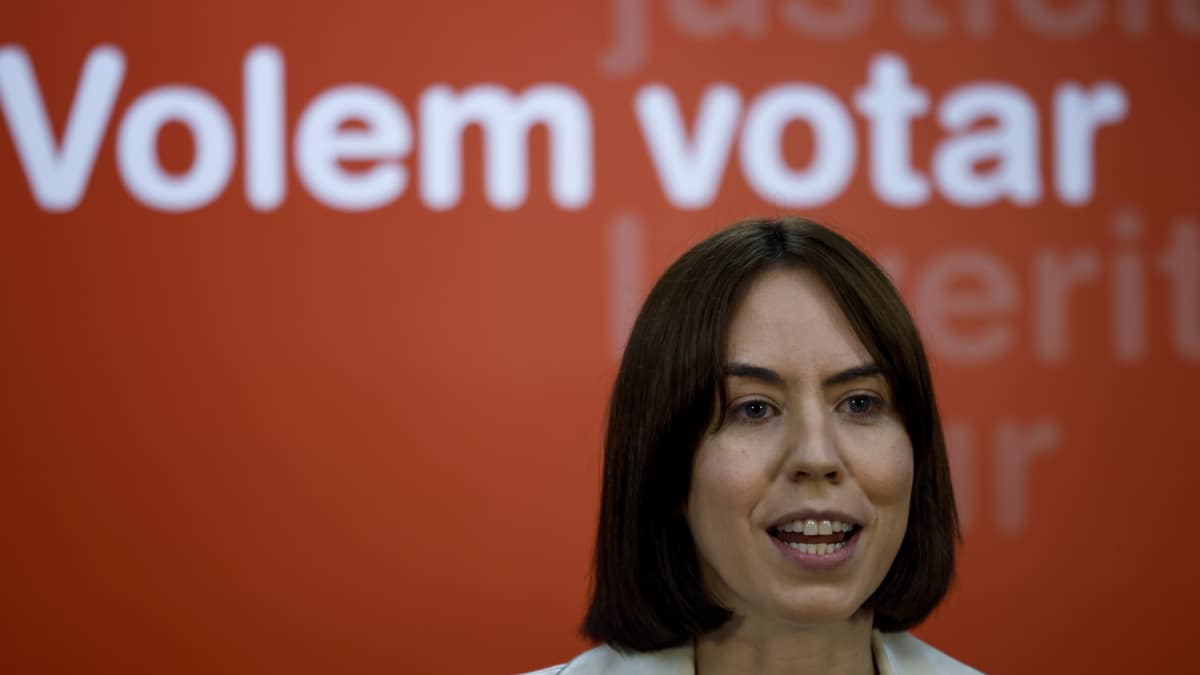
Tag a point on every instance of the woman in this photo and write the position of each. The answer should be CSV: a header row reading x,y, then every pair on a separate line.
x,y
776,492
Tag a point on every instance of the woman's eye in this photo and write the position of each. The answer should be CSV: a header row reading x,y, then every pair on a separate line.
x,y
863,405
753,411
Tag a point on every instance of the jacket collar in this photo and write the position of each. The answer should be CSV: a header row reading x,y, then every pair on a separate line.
x,y
895,654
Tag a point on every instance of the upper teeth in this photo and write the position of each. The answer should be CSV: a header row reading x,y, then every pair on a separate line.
x,y
811,526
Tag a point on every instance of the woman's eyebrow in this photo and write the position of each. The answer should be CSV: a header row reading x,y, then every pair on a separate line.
x,y
737,369
851,374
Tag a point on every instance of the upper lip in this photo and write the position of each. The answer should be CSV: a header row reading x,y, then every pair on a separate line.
x,y
815,514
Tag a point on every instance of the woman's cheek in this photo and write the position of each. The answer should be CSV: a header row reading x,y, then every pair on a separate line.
x,y
726,477
892,472
882,462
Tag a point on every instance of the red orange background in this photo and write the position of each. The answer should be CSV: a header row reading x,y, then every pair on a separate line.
x,y
313,441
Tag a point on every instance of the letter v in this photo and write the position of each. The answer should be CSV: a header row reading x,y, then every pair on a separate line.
x,y
58,175
690,173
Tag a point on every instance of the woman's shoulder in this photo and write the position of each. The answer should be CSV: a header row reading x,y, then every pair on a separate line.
x,y
904,653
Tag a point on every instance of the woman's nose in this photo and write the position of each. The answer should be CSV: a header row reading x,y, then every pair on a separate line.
x,y
812,450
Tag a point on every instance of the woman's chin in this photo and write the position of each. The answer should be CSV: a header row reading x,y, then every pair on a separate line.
x,y
825,611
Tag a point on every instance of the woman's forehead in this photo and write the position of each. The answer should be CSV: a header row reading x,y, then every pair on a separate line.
x,y
789,316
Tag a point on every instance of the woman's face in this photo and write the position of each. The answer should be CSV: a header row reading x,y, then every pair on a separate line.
x,y
799,502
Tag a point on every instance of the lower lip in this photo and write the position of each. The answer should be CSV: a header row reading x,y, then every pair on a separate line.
x,y
815,560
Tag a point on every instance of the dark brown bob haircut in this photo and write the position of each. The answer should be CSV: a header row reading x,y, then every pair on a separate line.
x,y
647,589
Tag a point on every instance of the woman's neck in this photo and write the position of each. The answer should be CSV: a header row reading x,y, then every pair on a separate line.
x,y
745,647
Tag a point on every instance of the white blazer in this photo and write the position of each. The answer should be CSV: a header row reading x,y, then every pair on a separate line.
x,y
895,654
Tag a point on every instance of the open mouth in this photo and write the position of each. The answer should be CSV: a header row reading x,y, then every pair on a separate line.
x,y
815,538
